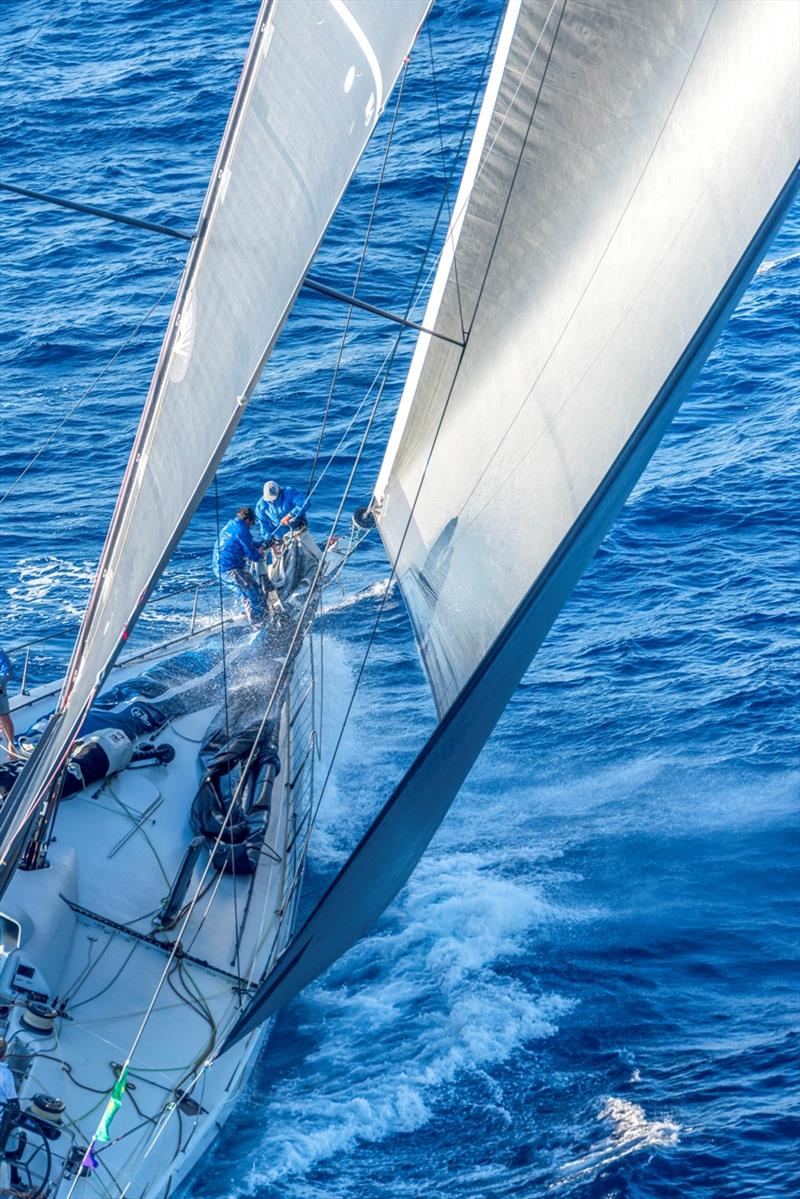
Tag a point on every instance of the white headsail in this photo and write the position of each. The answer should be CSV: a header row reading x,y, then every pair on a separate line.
x,y
315,79
627,154
631,162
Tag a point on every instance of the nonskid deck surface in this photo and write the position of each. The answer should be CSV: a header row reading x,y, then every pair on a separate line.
x,y
89,946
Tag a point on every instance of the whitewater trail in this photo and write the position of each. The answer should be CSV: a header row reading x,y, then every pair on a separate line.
x,y
414,1010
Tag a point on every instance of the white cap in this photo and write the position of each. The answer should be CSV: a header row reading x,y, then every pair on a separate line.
x,y
271,490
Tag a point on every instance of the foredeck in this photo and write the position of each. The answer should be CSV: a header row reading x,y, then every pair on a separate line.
x,y
87,924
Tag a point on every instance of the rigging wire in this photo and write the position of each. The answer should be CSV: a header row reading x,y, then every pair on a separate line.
x,y
428,459
362,259
312,589
222,616
444,169
86,393
388,361
282,674
248,764
421,286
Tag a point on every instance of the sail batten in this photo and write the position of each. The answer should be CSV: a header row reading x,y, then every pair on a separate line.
x,y
315,77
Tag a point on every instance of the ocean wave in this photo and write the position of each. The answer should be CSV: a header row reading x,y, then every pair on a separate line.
x,y
375,590
631,1132
414,1010
771,264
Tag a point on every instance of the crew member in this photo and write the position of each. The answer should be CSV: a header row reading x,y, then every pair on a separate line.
x,y
6,723
235,548
281,509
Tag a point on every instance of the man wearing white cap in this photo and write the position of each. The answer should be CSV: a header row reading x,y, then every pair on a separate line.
x,y
281,509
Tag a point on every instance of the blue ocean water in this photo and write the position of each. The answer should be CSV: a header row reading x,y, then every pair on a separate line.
x,y
589,987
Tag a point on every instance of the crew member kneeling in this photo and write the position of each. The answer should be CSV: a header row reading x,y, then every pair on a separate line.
x,y
235,548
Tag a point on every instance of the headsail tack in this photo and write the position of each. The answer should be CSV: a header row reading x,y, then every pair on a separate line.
x,y
315,79
631,163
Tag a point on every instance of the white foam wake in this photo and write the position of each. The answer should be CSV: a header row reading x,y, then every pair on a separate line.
x,y
337,603
413,1011
50,582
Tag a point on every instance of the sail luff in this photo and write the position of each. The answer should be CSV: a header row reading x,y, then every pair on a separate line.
x,y
149,413
450,248
41,769
395,841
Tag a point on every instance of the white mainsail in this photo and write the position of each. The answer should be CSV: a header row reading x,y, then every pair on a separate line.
x,y
315,80
631,162
627,154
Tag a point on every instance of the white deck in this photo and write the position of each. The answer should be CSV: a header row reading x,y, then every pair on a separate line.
x,y
117,849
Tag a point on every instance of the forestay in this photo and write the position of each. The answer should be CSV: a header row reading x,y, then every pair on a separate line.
x,y
626,156
630,164
315,79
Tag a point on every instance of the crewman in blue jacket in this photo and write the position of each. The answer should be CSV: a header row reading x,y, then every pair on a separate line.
x,y
235,548
278,509
281,509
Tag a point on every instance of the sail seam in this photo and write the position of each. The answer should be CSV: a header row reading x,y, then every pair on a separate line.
x,y
462,531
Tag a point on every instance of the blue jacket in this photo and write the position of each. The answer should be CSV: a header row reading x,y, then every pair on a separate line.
x,y
6,669
290,502
235,547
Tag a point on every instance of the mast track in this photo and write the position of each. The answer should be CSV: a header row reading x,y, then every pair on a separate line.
x,y
241,984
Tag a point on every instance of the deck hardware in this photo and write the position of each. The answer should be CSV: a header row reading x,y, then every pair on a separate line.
x,y
142,819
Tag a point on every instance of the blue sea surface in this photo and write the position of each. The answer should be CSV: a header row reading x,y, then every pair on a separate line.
x,y
590,986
